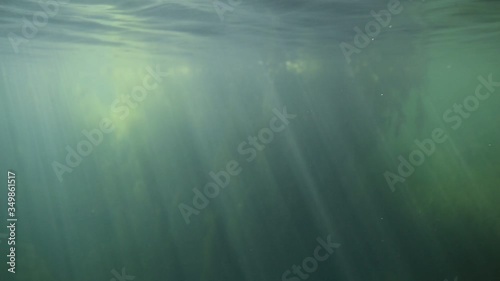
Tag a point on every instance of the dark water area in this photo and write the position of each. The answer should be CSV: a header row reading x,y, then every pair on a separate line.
x,y
250,140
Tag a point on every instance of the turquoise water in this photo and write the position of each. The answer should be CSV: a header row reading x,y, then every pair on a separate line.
x,y
250,140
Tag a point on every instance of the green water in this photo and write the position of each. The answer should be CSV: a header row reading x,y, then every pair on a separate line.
x,y
178,140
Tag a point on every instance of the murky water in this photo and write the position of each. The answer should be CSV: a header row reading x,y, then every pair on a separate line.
x,y
250,140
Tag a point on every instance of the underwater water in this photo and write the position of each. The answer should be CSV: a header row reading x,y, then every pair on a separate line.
x,y
249,140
